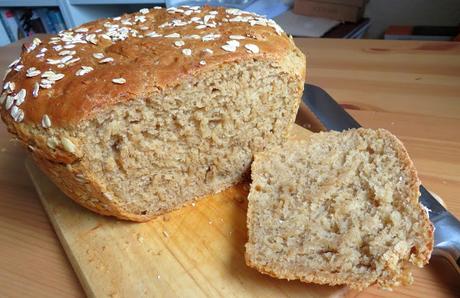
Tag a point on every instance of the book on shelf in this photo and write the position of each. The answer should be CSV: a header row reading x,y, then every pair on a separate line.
x,y
57,20
10,24
4,38
43,13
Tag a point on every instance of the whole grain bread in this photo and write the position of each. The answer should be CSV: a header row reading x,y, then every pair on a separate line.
x,y
338,209
136,115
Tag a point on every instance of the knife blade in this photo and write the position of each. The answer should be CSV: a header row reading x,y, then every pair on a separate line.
x,y
331,116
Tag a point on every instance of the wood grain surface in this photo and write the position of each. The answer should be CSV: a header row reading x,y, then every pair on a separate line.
x,y
411,88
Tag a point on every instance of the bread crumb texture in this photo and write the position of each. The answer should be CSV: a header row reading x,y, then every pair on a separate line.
x,y
140,160
340,208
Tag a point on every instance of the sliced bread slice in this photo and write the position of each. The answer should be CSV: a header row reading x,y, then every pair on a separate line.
x,y
339,208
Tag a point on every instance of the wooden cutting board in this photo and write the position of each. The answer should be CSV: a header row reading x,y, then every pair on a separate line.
x,y
195,251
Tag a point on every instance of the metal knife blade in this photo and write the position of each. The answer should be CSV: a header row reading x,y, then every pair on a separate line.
x,y
333,117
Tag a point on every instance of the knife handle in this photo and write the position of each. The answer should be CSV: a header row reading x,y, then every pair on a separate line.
x,y
447,238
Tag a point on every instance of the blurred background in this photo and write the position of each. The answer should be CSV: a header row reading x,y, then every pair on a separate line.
x,y
376,19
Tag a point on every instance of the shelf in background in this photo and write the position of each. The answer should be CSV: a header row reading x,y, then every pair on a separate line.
x,y
77,12
29,3
110,2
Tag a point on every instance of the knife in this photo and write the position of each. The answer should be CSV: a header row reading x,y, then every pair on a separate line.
x,y
329,115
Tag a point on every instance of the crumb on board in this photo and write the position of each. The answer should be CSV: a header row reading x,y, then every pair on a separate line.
x,y
165,233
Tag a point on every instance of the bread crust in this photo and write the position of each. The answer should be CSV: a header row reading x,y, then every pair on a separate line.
x,y
87,192
420,259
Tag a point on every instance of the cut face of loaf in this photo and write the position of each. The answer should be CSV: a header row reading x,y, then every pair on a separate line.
x,y
340,208
156,153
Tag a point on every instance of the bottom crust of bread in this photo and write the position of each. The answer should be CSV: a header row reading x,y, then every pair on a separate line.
x,y
330,279
88,194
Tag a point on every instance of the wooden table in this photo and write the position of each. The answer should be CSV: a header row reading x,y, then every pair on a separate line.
x,y
410,88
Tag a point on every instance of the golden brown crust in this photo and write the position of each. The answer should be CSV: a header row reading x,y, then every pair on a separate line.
x,y
147,62
403,155
81,189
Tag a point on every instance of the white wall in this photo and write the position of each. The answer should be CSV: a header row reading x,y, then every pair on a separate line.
x,y
411,12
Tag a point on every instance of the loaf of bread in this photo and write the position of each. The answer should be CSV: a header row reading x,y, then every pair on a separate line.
x,y
134,116
338,209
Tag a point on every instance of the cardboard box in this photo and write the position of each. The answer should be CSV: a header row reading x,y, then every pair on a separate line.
x,y
344,13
